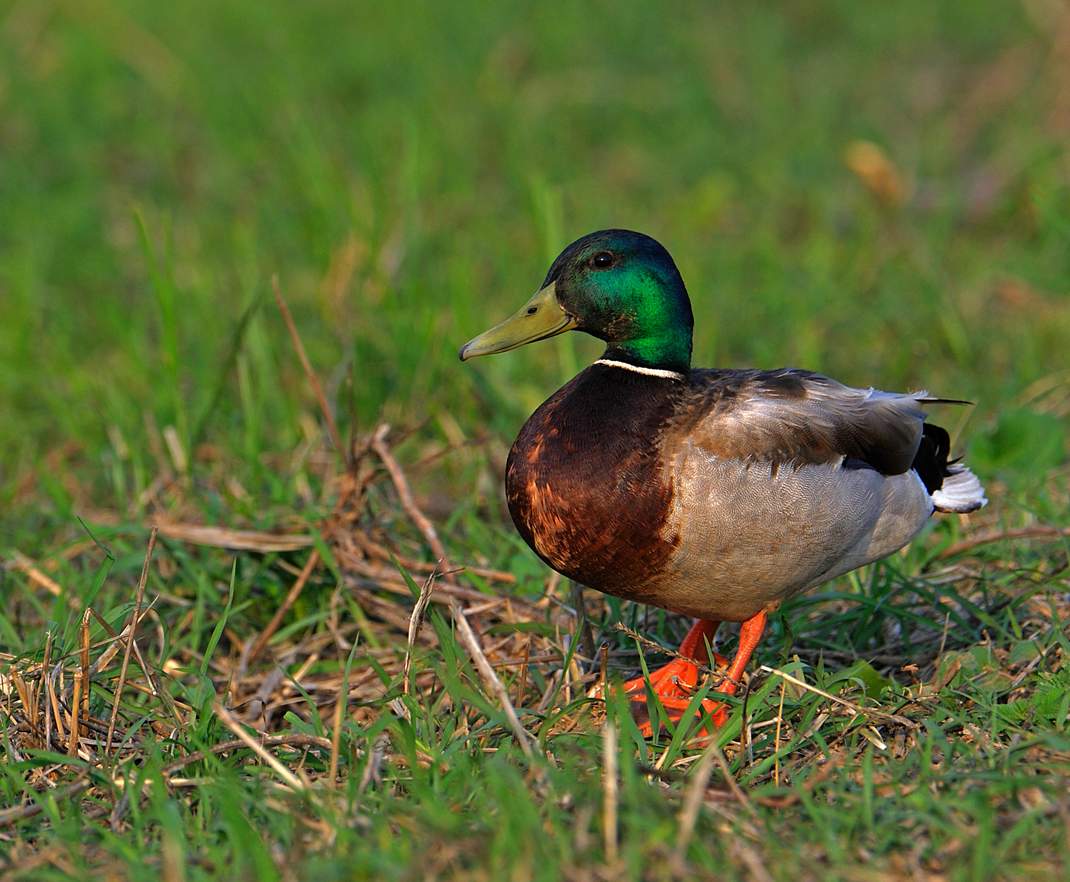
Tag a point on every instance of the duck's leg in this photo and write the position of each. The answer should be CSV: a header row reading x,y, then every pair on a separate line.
x,y
750,635
675,683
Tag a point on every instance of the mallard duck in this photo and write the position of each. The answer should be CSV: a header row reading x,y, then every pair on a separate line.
x,y
709,492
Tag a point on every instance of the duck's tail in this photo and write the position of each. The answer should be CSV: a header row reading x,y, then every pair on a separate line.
x,y
960,491
953,487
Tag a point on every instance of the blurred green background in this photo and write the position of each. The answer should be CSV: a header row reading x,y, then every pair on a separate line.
x,y
877,191
409,171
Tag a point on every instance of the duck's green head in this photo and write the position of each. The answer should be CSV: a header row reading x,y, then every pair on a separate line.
x,y
617,285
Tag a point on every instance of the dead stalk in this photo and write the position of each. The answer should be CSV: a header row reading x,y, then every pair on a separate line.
x,y
685,827
336,737
134,616
415,620
776,739
1040,531
80,697
729,778
609,792
39,692
76,706
468,638
53,703
851,706
408,503
33,572
313,380
84,672
229,720
284,607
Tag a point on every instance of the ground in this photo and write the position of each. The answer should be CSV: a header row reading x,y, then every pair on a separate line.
x,y
876,192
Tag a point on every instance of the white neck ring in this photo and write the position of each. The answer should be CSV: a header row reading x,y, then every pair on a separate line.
x,y
650,372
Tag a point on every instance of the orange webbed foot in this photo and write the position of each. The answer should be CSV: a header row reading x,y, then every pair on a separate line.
x,y
674,685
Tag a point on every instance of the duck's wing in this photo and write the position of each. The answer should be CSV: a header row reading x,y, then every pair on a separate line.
x,y
791,417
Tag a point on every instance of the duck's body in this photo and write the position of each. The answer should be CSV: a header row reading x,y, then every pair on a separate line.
x,y
720,493
714,493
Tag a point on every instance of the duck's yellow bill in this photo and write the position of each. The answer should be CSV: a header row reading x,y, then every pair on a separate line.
x,y
539,318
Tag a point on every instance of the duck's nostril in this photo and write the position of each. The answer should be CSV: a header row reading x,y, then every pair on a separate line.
x,y
532,310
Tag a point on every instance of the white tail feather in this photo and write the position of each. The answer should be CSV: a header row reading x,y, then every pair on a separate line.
x,y
961,492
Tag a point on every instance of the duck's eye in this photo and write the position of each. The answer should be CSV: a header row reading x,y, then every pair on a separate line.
x,y
602,260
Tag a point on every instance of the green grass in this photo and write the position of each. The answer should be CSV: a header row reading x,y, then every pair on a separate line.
x,y
408,174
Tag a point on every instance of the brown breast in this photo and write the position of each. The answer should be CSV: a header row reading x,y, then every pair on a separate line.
x,y
585,483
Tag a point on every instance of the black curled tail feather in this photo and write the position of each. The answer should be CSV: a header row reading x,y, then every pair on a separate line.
x,y
931,460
